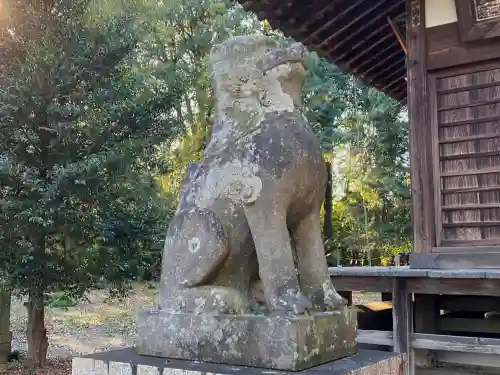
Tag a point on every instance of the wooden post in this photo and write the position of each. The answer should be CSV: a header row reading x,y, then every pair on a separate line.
x,y
420,132
424,230
347,296
426,311
386,297
5,335
402,321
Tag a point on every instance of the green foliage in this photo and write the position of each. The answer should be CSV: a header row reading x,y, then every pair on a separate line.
x,y
84,110
103,105
196,26
365,135
60,300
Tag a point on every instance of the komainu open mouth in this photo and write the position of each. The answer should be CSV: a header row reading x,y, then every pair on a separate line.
x,y
280,56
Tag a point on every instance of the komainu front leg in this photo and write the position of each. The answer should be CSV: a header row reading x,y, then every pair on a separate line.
x,y
313,269
274,253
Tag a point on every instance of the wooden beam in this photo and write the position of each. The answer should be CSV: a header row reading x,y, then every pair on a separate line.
x,y
472,224
480,154
398,79
313,17
353,21
255,6
478,206
267,10
397,74
332,21
462,324
471,172
455,287
367,50
374,337
469,138
470,122
378,59
467,249
440,281
363,284
469,303
462,344
471,243
469,105
399,93
420,152
477,86
361,43
448,260
375,18
389,67
397,34
444,343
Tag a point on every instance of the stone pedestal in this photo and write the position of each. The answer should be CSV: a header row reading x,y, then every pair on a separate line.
x,y
283,343
128,362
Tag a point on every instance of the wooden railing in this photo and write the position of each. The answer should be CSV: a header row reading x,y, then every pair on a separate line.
x,y
404,283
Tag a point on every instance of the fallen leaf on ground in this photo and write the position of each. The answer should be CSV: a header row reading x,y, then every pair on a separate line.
x,y
52,367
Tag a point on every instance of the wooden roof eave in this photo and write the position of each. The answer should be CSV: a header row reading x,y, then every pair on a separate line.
x,y
355,35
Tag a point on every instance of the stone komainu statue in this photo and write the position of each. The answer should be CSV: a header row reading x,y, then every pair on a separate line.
x,y
257,191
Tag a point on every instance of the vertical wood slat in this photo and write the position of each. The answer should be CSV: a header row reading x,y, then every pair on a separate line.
x,y
420,132
402,321
436,172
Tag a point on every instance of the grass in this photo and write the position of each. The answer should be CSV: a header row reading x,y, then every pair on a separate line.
x,y
95,324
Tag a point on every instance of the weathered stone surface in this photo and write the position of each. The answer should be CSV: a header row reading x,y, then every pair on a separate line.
x,y
365,362
249,215
279,342
250,209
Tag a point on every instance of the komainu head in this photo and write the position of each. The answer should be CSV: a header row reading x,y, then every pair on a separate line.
x,y
253,73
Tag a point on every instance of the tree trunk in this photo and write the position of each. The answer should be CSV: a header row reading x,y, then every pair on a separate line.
x,y
5,334
36,331
328,222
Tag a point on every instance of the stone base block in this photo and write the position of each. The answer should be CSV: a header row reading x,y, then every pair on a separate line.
x,y
128,362
283,343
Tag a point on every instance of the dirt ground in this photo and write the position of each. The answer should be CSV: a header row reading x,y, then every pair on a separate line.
x,y
97,324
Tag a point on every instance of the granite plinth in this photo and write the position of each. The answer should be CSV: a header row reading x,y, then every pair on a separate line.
x,y
284,343
128,362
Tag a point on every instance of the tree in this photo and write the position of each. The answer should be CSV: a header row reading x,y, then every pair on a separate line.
x,y
195,27
365,136
84,109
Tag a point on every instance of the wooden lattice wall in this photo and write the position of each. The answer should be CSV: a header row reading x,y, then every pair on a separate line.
x,y
466,138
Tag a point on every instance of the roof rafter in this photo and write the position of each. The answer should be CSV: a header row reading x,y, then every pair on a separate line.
x,y
374,20
336,34
357,35
332,21
383,57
